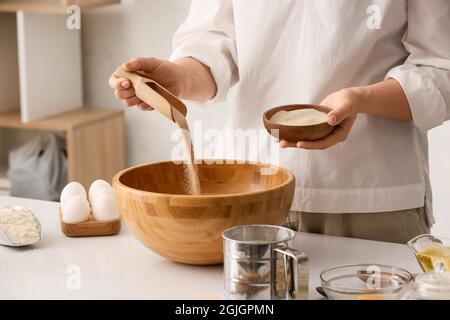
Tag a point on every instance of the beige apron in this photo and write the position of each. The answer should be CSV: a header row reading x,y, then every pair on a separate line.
x,y
396,226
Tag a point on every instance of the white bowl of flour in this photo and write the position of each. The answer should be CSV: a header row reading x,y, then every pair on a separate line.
x,y
19,227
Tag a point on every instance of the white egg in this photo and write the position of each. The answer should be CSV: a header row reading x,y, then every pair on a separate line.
x,y
98,187
76,210
100,192
70,190
104,208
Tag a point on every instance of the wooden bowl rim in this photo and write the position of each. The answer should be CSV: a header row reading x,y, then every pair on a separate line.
x,y
295,107
118,184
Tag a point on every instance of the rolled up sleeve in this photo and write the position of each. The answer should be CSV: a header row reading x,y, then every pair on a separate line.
x,y
208,36
425,75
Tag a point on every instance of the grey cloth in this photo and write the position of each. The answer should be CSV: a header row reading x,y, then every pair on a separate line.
x,y
396,226
38,169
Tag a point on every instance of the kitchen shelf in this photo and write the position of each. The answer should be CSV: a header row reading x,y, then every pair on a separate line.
x,y
59,123
50,6
34,37
95,140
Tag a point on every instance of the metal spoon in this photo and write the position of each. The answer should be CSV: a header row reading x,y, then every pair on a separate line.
x,y
6,241
321,292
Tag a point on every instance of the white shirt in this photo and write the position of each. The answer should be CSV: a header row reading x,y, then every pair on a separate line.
x,y
300,51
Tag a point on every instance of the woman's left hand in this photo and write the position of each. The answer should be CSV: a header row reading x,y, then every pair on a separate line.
x,y
345,109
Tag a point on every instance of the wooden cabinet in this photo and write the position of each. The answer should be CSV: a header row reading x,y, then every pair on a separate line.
x,y
41,89
95,140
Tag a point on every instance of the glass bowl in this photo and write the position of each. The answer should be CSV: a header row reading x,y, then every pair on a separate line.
x,y
365,282
430,286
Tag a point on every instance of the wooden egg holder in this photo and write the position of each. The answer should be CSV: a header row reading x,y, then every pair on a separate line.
x,y
90,228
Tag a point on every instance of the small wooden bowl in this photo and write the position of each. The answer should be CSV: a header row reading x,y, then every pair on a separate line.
x,y
297,133
90,228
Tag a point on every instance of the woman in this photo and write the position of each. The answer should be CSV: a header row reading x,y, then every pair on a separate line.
x,y
382,66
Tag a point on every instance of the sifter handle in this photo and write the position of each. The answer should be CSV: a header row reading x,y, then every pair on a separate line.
x,y
296,272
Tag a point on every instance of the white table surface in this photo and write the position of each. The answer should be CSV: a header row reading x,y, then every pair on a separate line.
x,y
119,267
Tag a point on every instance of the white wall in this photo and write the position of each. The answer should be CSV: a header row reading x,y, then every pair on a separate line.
x,y
135,28
144,28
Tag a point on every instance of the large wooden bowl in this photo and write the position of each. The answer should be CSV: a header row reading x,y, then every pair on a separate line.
x,y
297,133
186,228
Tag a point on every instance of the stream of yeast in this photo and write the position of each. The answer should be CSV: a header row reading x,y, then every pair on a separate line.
x,y
190,173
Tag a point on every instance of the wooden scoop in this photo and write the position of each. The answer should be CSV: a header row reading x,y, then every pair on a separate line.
x,y
154,95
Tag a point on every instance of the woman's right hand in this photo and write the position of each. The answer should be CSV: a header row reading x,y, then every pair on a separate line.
x,y
166,73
